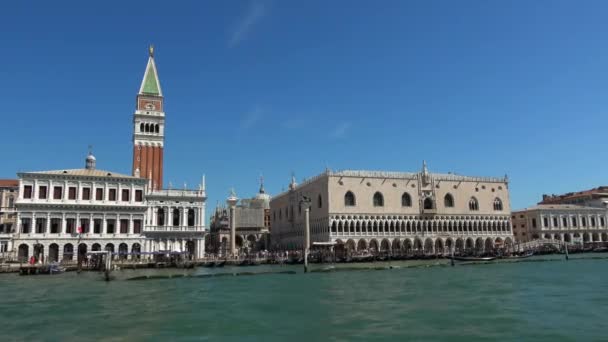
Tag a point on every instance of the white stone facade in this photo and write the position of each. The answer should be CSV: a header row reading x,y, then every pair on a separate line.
x,y
389,211
564,222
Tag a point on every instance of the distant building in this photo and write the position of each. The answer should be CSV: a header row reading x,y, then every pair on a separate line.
x,y
9,191
597,197
564,222
252,225
393,212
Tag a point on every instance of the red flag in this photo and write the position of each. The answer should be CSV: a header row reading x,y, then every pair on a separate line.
x,y
79,230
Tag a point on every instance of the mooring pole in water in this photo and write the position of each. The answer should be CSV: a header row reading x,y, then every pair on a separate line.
x,y
306,202
452,260
566,249
108,265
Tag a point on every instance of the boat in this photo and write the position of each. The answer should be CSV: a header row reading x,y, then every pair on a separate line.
x,y
464,258
56,269
600,250
523,256
220,263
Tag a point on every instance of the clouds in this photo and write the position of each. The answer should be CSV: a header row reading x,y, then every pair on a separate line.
x,y
257,10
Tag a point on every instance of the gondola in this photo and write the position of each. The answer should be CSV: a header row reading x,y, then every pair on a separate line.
x,y
523,256
220,263
464,258
209,264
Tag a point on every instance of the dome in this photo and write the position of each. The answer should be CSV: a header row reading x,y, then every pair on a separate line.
x,y
90,162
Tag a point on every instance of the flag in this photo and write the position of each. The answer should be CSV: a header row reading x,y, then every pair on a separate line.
x,y
79,230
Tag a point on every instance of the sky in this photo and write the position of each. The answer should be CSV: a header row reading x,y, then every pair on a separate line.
x,y
481,88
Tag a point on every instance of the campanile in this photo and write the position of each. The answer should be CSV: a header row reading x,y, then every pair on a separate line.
x,y
149,127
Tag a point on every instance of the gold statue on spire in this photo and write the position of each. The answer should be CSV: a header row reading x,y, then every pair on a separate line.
x,y
151,50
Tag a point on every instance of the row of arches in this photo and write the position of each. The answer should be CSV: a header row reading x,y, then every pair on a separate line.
x,y
570,237
418,226
162,217
149,128
51,253
426,246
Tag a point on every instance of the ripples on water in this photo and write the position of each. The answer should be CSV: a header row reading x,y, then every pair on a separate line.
x,y
540,301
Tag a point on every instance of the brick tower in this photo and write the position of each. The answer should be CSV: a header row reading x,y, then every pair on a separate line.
x,y
149,127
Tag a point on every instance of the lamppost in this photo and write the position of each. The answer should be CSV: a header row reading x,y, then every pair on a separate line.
x,y
231,201
305,201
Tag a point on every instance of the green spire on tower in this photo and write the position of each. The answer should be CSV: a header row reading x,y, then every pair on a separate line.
x,y
150,84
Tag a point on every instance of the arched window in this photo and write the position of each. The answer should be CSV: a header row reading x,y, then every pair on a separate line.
x,y
378,200
320,202
147,127
448,201
141,127
176,217
406,200
473,204
497,204
428,203
156,128
349,199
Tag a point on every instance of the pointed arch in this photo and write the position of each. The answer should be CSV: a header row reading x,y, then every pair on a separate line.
x,y
473,204
448,200
497,204
378,199
406,200
349,199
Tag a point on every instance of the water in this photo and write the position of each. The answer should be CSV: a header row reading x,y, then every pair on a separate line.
x,y
534,301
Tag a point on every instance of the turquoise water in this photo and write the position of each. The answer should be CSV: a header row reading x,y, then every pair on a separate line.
x,y
534,301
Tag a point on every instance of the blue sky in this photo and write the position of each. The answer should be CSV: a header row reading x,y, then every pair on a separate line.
x,y
269,87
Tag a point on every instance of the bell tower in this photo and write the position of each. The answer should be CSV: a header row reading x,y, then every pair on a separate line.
x,y
149,127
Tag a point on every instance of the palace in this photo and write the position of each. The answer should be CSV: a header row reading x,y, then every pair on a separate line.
x,y
65,213
393,212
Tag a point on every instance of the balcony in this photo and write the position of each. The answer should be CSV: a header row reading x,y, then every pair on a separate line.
x,y
173,229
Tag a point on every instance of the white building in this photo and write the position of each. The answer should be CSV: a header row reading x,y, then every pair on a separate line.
x,y
394,212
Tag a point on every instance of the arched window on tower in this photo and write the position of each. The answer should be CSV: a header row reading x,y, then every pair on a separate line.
x,y
473,204
141,127
406,200
497,204
349,199
156,128
448,201
378,200
147,128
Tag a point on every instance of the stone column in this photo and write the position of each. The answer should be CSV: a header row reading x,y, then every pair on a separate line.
x,y
233,230
48,223
62,229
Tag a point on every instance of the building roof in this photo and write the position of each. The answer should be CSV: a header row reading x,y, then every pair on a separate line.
x,y
9,183
558,207
601,191
84,172
150,85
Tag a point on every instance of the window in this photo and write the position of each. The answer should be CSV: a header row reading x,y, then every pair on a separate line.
x,y
349,199
428,203
176,217
190,217
555,222
72,193
25,225
565,222
497,204
110,226
70,225
112,195
583,221
125,195
84,225
86,194
139,195
602,222
55,226
124,226
406,200
40,225
320,202
473,204
42,192
378,200
545,222
99,194
27,191
137,226
448,201
592,221
160,217
57,192
574,222
533,223
97,226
